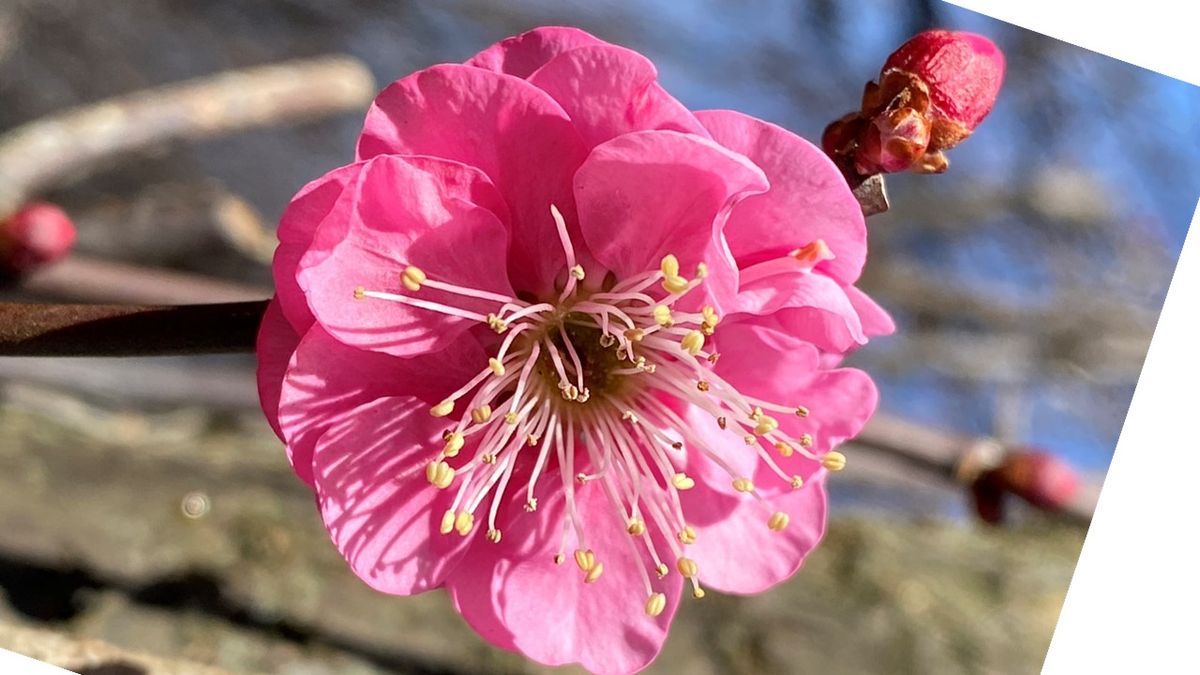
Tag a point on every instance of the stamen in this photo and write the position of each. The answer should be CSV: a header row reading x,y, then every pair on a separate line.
x,y
834,461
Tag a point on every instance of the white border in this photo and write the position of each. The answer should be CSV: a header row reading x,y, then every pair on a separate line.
x,y
1132,603
1155,34
19,664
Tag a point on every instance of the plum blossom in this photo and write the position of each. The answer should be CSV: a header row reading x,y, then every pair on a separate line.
x,y
561,346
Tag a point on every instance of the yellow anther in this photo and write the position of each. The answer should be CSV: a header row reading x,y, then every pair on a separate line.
x,y
496,367
834,461
511,418
766,424
531,505
454,443
701,270
812,253
481,414
693,342
797,482
440,474
703,386
801,411
559,558
412,278
496,323
682,481
778,521
531,440
494,536
708,329
581,478
784,449
662,315
755,413
743,485
687,567
669,266
675,284
442,409
687,535
360,293
594,573
577,272
655,604
585,559
488,458
698,593
464,522
750,439
635,334
447,522
662,570
637,527
710,315
806,440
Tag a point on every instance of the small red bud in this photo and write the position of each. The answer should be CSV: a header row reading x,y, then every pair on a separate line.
x,y
1040,478
932,93
37,234
963,72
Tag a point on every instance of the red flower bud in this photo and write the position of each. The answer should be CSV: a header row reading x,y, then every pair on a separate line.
x,y
932,93
962,72
36,235
1039,478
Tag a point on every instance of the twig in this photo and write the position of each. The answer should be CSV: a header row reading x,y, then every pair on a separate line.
x,y
45,151
128,330
90,280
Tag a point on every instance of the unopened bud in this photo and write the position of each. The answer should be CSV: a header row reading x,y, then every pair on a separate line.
x,y
36,235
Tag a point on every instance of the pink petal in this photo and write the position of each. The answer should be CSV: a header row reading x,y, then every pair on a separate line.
x,y
381,512
402,216
517,598
807,306
522,54
808,200
609,90
735,549
511,130
276,342
327,380
322,198
875,319
649,193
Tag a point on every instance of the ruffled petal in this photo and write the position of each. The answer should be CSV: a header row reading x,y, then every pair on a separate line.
x,y
327,380
646,194
522,54
517,598
875,319
325,197
381,512
276,342
511,130
806,306
402,216
808,200
609,90
735,549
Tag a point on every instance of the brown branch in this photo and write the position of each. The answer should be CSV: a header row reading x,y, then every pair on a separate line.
x,y
128,330
39,154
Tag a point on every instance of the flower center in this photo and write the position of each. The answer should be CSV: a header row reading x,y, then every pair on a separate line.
x,y
587,381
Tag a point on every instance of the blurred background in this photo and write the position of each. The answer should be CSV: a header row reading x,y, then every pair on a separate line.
x,y
145,503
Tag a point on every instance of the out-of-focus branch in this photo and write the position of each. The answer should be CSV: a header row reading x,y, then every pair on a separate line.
x,y
89,280
128,330
42,152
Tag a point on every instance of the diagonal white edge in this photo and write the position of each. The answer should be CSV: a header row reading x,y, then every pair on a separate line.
x,y
12,663
1132,603
1155,34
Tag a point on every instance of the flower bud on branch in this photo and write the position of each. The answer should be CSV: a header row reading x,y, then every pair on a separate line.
x,y
35,235
932,93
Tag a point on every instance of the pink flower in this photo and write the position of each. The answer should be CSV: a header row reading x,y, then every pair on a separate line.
x,y
493,353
